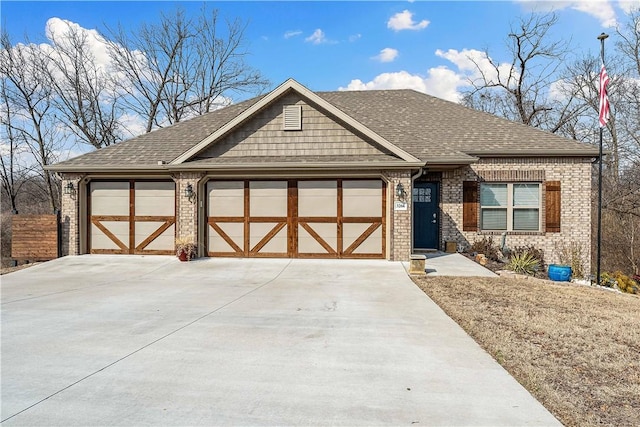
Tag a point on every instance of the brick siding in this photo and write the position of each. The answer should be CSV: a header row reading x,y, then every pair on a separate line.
x,y
187,210
574,175
69,216
399,246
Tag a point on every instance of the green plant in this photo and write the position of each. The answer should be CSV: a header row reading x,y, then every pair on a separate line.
x,y
187,246
531,250
486,247
524,263
573,255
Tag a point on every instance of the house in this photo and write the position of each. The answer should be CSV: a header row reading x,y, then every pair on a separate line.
x,y
296,173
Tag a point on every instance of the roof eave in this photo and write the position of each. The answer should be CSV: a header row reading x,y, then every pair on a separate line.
x,y
537,153
297,166
106,168
236,166
452,161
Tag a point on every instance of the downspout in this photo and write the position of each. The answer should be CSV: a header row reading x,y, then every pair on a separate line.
x,y
420,172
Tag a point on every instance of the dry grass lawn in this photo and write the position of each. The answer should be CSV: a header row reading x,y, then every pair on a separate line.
x,y
575,348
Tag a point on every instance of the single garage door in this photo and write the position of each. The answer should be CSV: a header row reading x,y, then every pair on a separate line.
x,y
329,218
131,217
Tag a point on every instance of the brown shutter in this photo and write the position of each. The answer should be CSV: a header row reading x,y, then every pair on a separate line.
x,y
470,206
552,200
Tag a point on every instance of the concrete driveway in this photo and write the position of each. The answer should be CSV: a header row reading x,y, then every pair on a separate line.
x,y
132,340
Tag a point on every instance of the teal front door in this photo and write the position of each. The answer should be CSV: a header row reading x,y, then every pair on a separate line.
x,y
426,218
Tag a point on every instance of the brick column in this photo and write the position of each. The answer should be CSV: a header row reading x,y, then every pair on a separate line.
x,y
187,210
400,221
69,215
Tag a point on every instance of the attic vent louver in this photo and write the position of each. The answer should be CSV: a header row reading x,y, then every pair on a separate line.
x,y
292,117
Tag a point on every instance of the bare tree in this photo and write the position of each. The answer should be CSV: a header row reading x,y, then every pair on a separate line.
x,y
520,91
221,68
84,97
628,47
13,171
622,138
29,103
581,80
181,67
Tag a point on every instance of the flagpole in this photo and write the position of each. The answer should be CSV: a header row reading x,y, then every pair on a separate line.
x,y
602,38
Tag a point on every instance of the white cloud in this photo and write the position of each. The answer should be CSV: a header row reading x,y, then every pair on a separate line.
x,y
404,21
474,64
59,31
629,5
599,9
355,37
441,82
317,37
602,10
293,33
558,89
386,55
132,125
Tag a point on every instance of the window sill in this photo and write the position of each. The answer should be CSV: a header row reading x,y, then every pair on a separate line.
x,y
512,233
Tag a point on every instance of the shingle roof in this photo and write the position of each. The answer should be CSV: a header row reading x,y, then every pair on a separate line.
x,y
164,144
294,160
429,128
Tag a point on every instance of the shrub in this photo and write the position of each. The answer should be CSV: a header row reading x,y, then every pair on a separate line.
x,y
607,280
626,283
524,263
573,255
620,281
531,250
486,247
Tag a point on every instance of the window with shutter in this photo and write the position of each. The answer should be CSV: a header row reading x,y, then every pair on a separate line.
x,y
292,117
509,206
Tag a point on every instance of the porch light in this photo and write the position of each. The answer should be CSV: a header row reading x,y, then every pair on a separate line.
x,y
69,188
188,192
400,193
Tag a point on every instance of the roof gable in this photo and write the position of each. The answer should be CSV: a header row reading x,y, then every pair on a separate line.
x,y
310,98
263,135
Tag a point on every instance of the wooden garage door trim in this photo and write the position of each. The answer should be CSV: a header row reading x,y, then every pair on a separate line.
x,y
129,247
292,221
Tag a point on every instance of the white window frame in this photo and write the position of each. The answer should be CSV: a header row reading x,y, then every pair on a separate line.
x,y
510,207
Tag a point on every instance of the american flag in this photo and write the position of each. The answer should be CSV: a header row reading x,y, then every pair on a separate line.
x,y
604,99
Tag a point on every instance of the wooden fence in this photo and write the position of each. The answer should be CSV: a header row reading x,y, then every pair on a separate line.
x,y
34,237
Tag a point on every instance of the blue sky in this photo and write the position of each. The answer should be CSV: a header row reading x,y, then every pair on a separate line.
x,y
359,45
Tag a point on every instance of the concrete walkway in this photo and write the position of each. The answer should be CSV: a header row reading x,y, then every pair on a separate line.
x,y
134,340
455,264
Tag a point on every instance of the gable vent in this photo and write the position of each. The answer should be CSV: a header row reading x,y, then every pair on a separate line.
x,y
292,117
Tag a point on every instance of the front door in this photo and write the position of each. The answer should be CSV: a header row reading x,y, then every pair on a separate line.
x,y
426,218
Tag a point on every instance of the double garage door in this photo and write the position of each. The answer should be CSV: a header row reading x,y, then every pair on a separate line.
x,y
297,219
329,218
